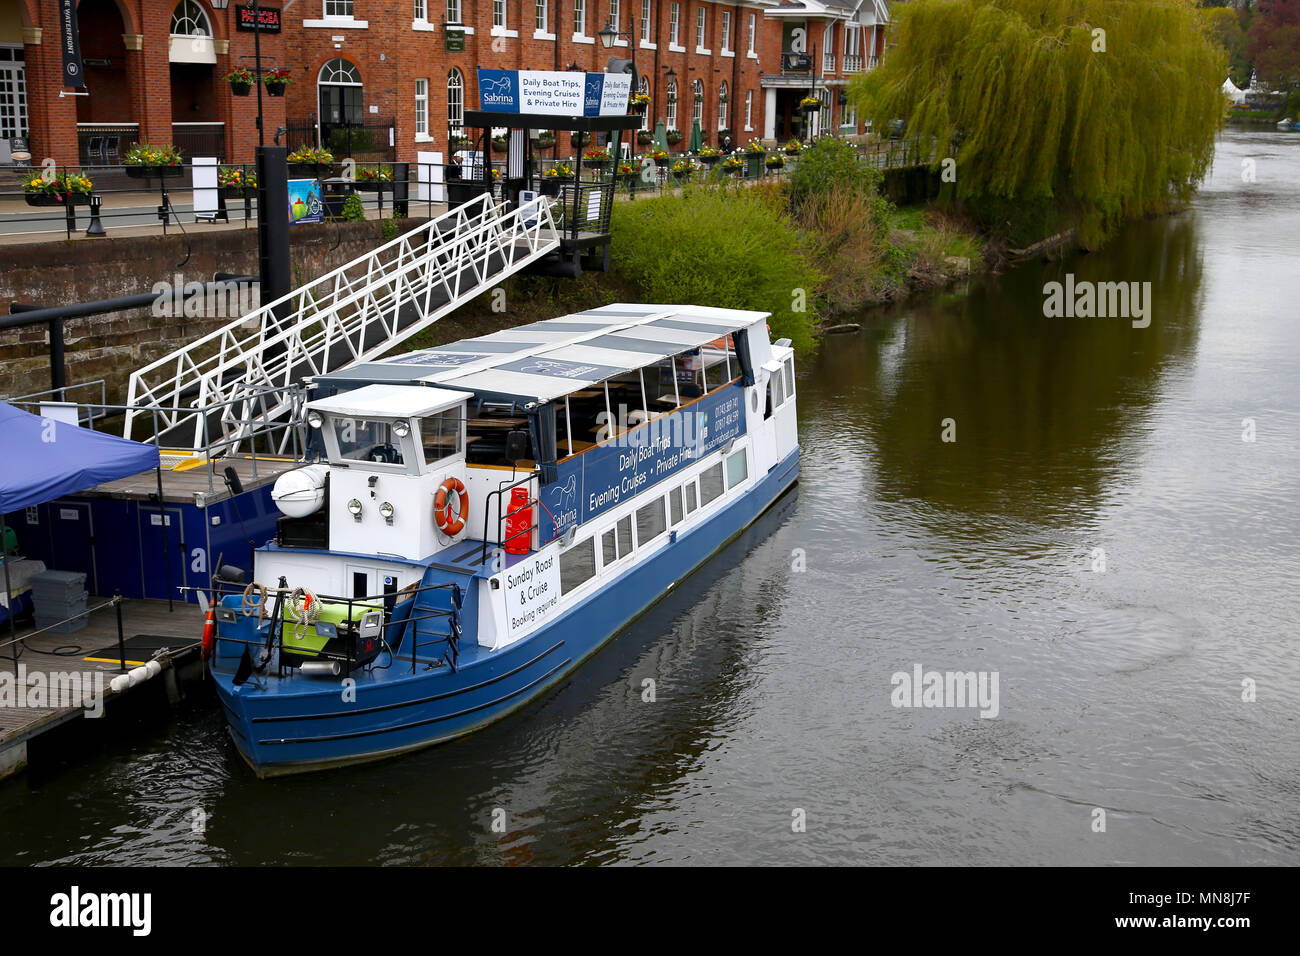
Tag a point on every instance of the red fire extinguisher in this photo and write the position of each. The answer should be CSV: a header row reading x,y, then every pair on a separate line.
x,y
519,522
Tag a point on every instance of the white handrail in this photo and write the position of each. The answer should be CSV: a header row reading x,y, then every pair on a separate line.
x,y
353,314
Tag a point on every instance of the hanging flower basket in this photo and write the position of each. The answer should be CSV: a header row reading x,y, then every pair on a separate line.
x,y
72,190
307,162
241,81
660,158
375,180
57,199
498,144
545,140
644,137
708,155
142,161
810,104
775,162
276,81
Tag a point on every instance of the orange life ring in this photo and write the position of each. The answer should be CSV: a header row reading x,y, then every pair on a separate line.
x,y
442,513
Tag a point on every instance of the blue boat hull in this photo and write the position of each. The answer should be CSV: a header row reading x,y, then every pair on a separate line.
x,y
302,724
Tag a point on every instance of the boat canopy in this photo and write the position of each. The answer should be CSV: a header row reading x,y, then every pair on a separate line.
x,y
46,459
389,401
543,361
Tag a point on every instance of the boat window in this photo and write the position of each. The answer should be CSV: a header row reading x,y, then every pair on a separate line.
x,y
789,375
608,548
692,497
675,504
711,483
737,468
577,565
650,522
624,536
363,439
440,434
775,394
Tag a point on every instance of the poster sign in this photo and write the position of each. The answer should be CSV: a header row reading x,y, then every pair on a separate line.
x,y
304,201
70,42
263,19
533,591
554,93
597,480
455,40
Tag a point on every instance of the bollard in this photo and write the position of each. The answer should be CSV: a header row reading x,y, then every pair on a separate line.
x,y
121,640
96,228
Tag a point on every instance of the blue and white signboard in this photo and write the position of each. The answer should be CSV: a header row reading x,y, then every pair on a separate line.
x,y
597,480
554,93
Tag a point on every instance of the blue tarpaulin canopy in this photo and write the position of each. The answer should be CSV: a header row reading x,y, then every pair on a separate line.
x,y
42,459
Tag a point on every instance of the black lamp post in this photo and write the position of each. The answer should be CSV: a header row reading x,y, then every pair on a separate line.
x,y
609,33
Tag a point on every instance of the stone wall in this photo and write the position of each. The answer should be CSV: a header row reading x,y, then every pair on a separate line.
x,y
113,345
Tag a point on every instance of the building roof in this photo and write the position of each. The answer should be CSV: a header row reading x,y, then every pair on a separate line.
x,y
545,360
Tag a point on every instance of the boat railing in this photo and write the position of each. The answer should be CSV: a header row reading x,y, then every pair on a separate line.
x,y
495,498
254,425
284,611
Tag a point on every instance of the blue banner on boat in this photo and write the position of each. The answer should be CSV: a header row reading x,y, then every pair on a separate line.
x,y
600,478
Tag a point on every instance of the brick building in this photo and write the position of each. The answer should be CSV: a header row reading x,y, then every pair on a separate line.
x,y
153,71
363,67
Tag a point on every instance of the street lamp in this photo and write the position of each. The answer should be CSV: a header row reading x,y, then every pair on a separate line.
x,y
609,33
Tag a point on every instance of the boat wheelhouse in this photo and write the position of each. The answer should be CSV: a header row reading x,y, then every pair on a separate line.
x,y
486,514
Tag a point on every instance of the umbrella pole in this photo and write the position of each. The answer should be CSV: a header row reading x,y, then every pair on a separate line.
x,y
9,594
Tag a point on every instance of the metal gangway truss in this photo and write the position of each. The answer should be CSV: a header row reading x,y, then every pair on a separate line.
x,y
353,314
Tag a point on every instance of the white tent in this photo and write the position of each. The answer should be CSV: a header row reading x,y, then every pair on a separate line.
x,y
1233,92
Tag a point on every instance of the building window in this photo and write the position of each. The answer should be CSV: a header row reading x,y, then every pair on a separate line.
x,y
828,49
339,9
674,23
749,109
672,104
421,11
722,105
726,31
543,22
13,92
701,27
453,11
615,15
644,86
579,17
421,107
753,28
189,20
499,13
455,100
697,102
340,94
577,565
852,49
645,22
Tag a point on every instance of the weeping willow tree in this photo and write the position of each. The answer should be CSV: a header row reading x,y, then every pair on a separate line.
x,y
1100,110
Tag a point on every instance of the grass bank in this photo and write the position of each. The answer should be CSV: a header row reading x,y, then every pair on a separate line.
x,y
811,249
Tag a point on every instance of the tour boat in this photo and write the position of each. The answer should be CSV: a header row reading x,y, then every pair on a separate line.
x,y
480,517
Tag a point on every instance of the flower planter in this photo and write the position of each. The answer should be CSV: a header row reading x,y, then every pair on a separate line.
x,y
239,192
275,89
709,160
162,172
462,191
551,184
241,89
661,163
637,109
48,199
371,185
811,109
309,170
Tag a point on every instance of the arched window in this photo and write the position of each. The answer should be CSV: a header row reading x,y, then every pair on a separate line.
x,y
697,106
455,100
722,105
672,104
643,85
340,71
340,92
189,20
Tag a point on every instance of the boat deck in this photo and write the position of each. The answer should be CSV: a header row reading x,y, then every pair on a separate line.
x,y
208,479
47,654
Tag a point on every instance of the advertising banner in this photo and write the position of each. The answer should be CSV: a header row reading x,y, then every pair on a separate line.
x,y
304,201
601,477
70,42
554,93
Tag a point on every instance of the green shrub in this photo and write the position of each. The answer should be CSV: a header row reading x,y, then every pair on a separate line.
x,y
727,249
353,210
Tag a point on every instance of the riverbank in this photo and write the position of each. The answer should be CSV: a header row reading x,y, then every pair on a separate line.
x,y
813,250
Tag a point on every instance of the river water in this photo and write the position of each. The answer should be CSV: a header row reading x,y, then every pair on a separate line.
x,y
1099,536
